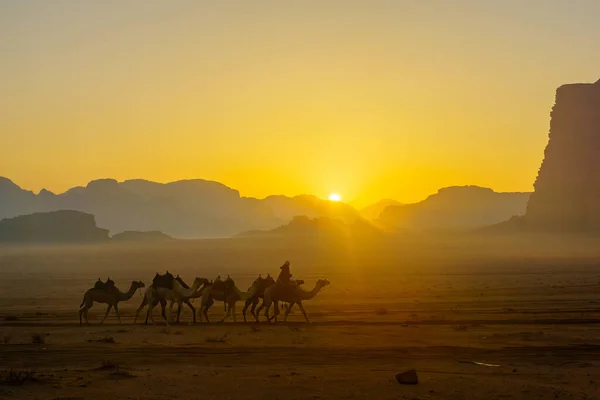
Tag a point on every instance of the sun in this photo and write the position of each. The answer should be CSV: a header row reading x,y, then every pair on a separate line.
x,y
335,197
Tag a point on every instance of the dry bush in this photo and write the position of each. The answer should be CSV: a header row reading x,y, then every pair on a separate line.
x,y
38,338
121,375
16,378
6,339
381,311
11,318
105,365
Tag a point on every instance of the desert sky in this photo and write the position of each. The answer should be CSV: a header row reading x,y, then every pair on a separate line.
x,y
369,99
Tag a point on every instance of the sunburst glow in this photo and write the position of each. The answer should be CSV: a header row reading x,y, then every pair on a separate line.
x,y
335,197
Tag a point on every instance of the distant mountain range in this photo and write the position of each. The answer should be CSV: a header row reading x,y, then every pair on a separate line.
x,y
183,209
457,207
199,208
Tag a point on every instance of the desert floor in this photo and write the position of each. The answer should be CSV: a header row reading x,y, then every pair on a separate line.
x,y
535,321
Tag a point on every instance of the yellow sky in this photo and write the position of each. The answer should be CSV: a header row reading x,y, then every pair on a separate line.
x,y
382,99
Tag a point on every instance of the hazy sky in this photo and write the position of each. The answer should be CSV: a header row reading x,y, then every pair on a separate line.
x,y
370,99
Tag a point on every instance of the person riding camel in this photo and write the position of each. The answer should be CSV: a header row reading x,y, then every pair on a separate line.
x,y
285,276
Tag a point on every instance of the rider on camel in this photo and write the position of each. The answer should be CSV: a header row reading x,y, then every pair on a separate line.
x,y
285,276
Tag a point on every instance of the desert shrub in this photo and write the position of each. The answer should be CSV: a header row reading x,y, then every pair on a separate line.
x,y
16,378
381,311
37,338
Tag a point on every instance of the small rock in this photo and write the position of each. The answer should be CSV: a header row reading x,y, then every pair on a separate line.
x,y
515,370
408,378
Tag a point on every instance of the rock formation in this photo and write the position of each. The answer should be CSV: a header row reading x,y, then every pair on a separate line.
x,y
58,226
455,208
567,188
136,236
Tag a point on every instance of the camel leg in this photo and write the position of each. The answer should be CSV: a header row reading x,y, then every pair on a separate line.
x,y
205,312
303,312
189,304
253,309
178,311
107,311
257,312
85,314
149,312
227,314
81,312
140,308
275,311
246,305
287,311
209,304
117,312
171,309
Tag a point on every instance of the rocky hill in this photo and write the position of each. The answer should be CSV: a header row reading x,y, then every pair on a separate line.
x,y
58,226
452,208
315,228
136,236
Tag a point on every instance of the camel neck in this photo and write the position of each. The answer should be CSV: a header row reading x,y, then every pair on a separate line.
x,y
312,293
128,295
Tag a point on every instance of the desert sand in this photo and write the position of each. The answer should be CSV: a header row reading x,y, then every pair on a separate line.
x,y
530,311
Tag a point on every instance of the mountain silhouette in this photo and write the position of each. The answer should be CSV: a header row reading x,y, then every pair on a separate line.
x,y
305,227
373,211
456,207
58,226
200,209
183,209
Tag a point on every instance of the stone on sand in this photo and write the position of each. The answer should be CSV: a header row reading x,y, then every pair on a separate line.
x,y
408,378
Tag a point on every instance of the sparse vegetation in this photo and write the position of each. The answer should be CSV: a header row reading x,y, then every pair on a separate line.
x,y
107,365
38,338
11,318
17,377
381,311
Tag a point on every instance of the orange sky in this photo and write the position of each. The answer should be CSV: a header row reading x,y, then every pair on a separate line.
x,y
381,99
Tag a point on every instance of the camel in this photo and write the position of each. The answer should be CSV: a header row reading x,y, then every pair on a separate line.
x,y
230,295
177,294
262,284
164,281
112,297
291,295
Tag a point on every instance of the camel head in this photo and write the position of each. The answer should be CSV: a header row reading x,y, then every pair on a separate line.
x,y
201,282
137,284
321,283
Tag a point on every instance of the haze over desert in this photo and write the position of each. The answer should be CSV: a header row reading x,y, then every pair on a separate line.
x,y
299,200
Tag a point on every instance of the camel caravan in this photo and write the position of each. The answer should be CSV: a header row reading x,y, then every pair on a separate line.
x,y
168,288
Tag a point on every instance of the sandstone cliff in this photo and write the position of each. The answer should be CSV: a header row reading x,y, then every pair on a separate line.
x,y
567,188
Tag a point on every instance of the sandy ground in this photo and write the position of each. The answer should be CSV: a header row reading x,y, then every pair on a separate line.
x,y
536,321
